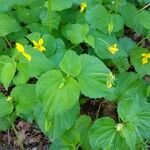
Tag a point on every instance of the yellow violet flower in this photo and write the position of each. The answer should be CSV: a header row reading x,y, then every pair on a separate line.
x,y
113,49
27,56
20,48
145,58
83,6
39,45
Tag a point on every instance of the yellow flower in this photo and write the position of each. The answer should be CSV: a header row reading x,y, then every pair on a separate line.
x,y
39,45
27,56
110,80
20,48
113,49
145,58
83,6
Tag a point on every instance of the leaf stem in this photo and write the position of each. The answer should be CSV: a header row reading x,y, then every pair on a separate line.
x,y
50,14
146,6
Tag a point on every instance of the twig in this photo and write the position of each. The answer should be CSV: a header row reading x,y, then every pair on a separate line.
x,y
146,6
97,114
7,41
141,41
20,142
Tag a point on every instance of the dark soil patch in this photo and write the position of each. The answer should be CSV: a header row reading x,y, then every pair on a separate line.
x,y
99,108
29,135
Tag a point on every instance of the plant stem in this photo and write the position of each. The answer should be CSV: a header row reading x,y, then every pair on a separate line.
x,y
50,14
146,6
73,46
7,41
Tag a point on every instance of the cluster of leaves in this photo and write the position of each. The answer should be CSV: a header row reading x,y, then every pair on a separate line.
x,y
73,48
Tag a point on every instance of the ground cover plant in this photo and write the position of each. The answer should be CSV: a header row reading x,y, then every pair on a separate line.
x,y
79,70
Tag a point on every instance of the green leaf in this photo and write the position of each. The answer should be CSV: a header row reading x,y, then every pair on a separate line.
x,y
33,36
20,78
60,51
38,64
90,40
117,21
93,80
8,25
7,71
103,134
71,64
136,60
103,42
76,33
82,125
7,121
25,98
24,15
57,91
49,46
6,107
58,124
144,18
135,110
37,27
5,5
121,63
144,121
130,135
58,144
55,19
59,5
71,138
131,19
127,44
97,17
129,84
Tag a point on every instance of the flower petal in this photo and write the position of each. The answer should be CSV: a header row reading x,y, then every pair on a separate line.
x,y
20,47
27,56
41,41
